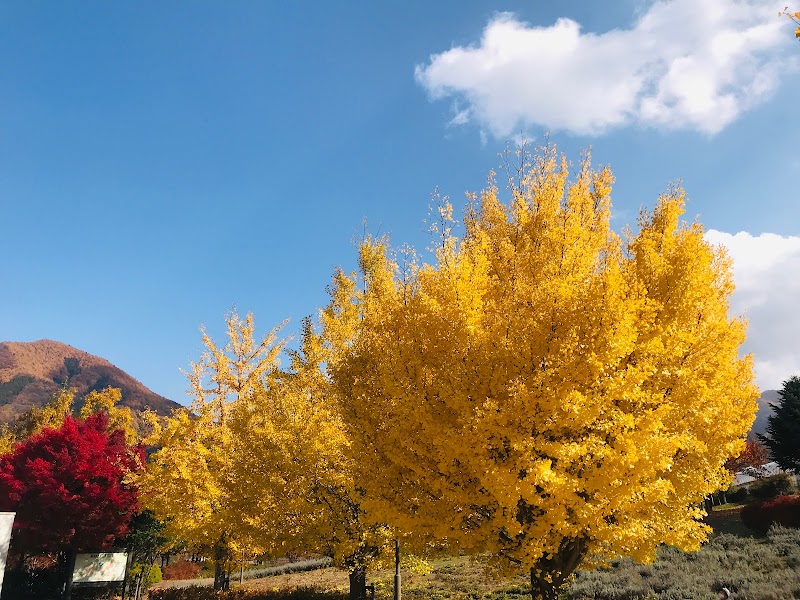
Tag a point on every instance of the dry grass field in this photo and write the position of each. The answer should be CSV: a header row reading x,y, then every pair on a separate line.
x,y
754,568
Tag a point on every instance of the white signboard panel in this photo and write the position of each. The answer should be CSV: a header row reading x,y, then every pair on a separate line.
x,y
96,568
6,523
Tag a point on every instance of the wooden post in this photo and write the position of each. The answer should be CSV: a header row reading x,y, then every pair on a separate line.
x,y
125,583
70,568
396,569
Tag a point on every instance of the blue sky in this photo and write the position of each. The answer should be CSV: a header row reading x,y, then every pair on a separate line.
x,y
163,162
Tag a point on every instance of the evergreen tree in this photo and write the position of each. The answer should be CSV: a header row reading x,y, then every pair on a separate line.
x,y
783,428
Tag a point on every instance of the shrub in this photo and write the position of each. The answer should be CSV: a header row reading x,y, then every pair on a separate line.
x,y
206,593
760,516
738,495
753,569
182,569
153,573
772,487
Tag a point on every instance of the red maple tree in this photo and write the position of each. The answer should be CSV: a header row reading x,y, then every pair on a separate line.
x,y
68,488
753,456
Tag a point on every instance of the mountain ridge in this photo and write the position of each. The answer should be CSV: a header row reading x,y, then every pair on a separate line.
x,y
31,372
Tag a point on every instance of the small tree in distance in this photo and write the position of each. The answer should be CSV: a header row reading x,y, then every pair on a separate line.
x,y
753,457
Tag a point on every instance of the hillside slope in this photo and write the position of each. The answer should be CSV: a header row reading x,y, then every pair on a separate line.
x,y
764,410
30,372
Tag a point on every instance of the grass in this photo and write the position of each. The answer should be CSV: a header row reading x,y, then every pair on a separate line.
x,y
729,506
728,522
753,568
454,577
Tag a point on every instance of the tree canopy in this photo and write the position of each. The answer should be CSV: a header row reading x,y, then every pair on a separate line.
x,y
257,465
189,482
545,390
754,456
69,486
36,419
783,426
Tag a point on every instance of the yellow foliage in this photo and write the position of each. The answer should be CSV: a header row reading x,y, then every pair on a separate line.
x,y
257,465
546,390
7,440
51,415
190,482
297,491
794,17
118,417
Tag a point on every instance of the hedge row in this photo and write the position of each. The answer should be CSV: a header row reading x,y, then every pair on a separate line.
x,y
760,516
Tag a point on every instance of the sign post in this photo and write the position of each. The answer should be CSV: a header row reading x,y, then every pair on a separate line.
x,y
99,568
6,523
96,570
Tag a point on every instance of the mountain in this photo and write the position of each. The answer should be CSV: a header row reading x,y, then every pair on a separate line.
x,y
764,411
30,372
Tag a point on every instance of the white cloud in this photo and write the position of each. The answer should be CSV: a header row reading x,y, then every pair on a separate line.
x,y
767,276
683,65
460,116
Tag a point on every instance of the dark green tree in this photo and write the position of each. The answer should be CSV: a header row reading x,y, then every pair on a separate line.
x,y
783,429
145,541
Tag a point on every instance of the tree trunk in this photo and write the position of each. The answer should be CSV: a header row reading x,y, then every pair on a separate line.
x,y
219,575
358,584
138,589
550,575
221,556
21,563
542,589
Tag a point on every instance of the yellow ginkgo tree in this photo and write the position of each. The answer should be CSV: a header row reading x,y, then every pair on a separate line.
x,y
546,390
257,464
294,481
119,417
191,482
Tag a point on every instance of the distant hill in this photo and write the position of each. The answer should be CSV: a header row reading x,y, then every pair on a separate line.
x,y
30,372
764,411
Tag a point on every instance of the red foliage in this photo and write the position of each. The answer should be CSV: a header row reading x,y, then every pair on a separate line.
x,y
66,486
783,510
182,570
753,456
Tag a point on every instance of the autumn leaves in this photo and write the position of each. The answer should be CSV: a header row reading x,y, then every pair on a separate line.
x,y
544,390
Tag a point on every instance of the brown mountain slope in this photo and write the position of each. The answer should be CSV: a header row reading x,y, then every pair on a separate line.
x,y
30,372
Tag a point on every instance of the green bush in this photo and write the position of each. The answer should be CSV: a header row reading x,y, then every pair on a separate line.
x,y
772,487
153,573
738,495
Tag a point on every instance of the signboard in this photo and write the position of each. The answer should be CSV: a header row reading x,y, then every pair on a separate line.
x,y
6,523
100,567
